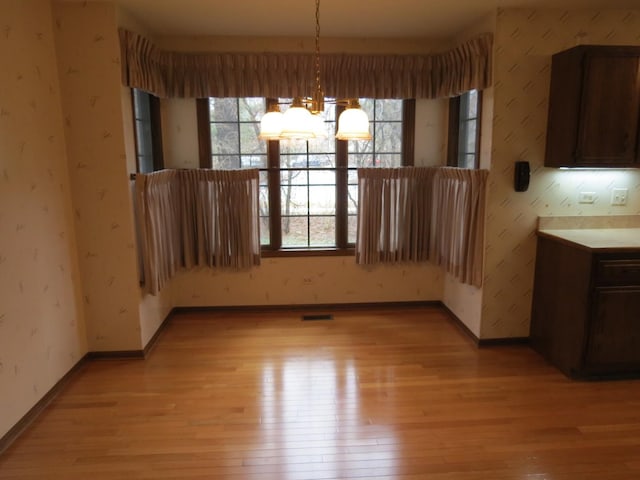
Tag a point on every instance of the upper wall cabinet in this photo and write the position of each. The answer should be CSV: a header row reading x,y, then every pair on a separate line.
x,y
594,108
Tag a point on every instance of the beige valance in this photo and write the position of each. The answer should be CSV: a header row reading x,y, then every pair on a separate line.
x,y
263,74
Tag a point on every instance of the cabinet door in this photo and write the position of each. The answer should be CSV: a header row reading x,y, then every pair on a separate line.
x,y
610,109
614,343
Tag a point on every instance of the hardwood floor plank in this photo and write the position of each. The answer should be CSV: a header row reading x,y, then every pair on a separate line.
x,y
374,395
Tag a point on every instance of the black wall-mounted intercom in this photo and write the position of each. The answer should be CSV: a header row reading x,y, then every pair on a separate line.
x,y
522,176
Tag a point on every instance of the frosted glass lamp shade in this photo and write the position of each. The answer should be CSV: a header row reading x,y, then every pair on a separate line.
x,y
353,124
297,124
271,126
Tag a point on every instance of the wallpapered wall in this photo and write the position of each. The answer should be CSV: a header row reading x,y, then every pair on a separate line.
x,y
524,42
42,333
308,280
88,60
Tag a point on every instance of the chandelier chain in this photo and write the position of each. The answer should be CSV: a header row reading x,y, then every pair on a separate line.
x,y
303,120
318,45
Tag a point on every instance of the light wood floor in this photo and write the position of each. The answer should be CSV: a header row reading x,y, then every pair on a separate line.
x,y
368,395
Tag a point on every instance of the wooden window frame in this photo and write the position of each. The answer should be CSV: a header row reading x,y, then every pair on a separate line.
x,y
274,248
454,131
155,127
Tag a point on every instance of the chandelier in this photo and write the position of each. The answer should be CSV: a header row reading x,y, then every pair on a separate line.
x,y
303,119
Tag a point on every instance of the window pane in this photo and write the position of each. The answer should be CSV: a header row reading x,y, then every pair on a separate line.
x,y
293,161
471,103
145,163
143,138
141,105
294,177
470,147
224,138
322,231
249,141
263,205
295,200
232,137
322,200
251,109
322,177
326,160
467,161
295,231
292,146
388,160
324,145
264,231
467,137
225,162
352,228
388,136
352,176
352,203
330,110
142,130
223,109
263,200
463,133
367,105
362,146
357,160
253,161
388,109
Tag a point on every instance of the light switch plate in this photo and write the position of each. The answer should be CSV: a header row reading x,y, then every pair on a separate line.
x,y
586,197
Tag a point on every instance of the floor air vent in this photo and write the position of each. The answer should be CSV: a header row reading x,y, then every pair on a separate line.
x,y
317,317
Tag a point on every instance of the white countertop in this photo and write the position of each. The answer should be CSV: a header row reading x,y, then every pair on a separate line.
x,y
598,238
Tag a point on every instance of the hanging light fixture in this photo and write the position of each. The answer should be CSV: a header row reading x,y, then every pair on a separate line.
x,y
303,119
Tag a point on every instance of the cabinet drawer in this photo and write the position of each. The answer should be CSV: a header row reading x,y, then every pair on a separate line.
x,y
618,272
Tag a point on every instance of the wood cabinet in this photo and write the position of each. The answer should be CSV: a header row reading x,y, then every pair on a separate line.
x,y
586,309
594,108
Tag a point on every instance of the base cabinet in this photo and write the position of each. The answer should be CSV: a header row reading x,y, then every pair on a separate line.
x,y
614,333
586,310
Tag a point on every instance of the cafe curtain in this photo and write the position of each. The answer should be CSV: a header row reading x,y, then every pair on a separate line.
x,y
267,74
415,214
394,211
457,222
189,218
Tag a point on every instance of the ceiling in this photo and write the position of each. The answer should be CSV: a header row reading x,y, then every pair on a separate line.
x,y
338,18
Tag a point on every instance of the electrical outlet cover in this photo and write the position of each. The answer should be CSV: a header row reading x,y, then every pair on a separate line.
x,y
619,196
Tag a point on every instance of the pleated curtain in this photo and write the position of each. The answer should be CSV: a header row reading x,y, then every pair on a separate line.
x,y
393,215
419,214
457,222
189,218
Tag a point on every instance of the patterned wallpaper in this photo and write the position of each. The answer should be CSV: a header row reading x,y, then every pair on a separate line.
x,y
42,332
308,280
88,60
524,43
